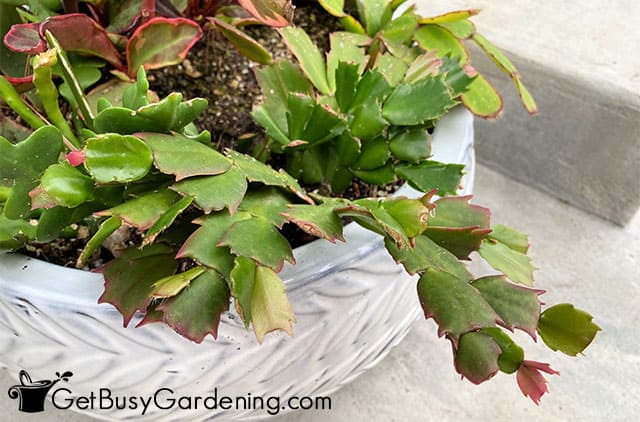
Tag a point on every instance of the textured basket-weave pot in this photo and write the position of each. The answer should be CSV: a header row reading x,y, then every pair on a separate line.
x,y
352,303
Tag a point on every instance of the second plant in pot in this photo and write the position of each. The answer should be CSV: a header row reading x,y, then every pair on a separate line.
x,y
204,228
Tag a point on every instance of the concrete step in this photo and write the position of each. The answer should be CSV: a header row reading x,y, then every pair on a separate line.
x,y
580,61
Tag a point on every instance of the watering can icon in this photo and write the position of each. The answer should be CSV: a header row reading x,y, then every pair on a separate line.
x,y
32,393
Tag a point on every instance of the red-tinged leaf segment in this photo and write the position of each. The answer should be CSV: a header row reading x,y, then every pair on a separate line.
x,y
518,306
261,298
196,311
317,220
161,42
202,245
515,265
129,278
567,329
476,357
248,237
143,211
455,305
76,32
427,254
276,13
458,226
184,157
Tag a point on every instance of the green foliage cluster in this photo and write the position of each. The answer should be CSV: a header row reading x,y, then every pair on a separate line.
x,y
210,222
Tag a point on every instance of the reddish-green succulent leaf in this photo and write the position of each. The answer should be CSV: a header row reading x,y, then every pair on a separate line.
x,y
214,193
417,103
392,67
183,157
379,176
76,32
299,110
373,154
116,158
375,14
515,265
482,99
373,88
429,175
129,278
276,13
458,212
246,45
270,308
169,114
161,42
334,7
412,145
510,237
368,121
107,227
526,97
308,55
243,277
518,306
268,203
317,220
248,238
255,171
260,297
495,54
424,66
459,241
166,219
202,244
461,29
567,329
277,82
454,304
66,185
143,211
347,48
511,356
411,214
434,37
387,221
40,149
427,254
401,29
195,311
476,357
15,233
25,38
173,284
267,119
323,124
451,16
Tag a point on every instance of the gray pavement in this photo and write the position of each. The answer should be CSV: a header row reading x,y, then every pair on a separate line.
x,y
576,59
582,259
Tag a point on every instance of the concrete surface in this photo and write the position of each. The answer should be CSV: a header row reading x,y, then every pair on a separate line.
x,y
577,59
582,259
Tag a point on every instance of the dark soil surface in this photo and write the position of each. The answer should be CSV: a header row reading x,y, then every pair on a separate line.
x,y
216,71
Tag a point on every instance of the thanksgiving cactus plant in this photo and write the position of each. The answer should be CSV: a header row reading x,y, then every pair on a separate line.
x,y
206,227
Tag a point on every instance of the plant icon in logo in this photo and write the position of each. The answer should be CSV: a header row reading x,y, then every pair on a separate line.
x,y
33,393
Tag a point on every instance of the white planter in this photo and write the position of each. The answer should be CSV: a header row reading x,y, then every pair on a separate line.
x,y
352,303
